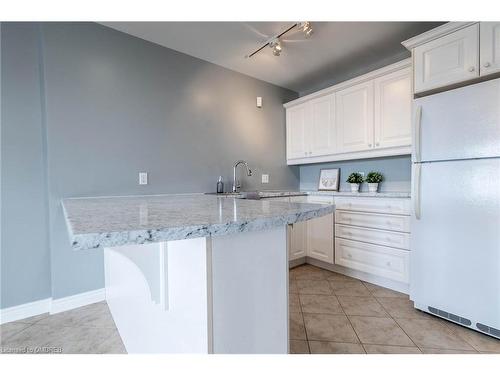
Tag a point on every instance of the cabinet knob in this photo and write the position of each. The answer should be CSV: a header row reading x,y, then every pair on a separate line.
x,y
305,153
388,264
369,145
486,64
471,69
349,255
310,152
377,144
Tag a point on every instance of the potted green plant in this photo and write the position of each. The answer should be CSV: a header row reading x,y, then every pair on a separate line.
x,y
373,179
355,179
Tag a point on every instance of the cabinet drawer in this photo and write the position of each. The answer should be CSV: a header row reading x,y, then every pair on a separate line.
x,y
320,199
376,260
377,221
400,240
399,206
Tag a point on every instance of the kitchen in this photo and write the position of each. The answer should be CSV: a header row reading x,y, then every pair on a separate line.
x,y
184,201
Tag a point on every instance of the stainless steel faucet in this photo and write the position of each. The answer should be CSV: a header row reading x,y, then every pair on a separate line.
x,y
236,184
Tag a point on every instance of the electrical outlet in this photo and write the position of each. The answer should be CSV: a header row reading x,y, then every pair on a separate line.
x,y
143,178
265,178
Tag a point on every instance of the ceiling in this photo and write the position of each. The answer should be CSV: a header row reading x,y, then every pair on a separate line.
x,y
335,52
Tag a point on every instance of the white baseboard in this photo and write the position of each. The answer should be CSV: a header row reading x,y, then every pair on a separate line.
x,y
77,300
26,310
52,306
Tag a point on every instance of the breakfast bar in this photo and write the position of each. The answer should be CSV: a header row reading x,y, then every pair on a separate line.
x,y
193,273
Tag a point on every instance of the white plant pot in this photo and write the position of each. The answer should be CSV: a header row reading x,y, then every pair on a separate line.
x,y
354,188
373,187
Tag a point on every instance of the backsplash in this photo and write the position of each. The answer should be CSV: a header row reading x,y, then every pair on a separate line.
x,y
396,171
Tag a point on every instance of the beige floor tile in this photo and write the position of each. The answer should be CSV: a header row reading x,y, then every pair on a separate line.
x,y
308,272
76,339
314,287
378,291
401,308
389,349
10,329
299,347
477,340
329,347
315,303
97,315
293,303
375,330
429,333
363,306
446,351
334,276
297,330
325,327
349,288
292,287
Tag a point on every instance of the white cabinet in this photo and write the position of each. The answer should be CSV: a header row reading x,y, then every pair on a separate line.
x,y
490,47
320,238
393,110
298,243
446,60
366,117
372,235
322,130
296,142
354,118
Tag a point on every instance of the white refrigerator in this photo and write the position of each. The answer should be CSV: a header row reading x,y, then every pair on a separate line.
x,y
455,239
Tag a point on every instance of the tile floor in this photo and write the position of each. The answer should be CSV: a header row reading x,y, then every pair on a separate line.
x,y
329,313
333,313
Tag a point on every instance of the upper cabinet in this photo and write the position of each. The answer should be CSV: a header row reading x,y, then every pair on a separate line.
x,y
354,117
392,107
490,47
365,117
447,60
453,53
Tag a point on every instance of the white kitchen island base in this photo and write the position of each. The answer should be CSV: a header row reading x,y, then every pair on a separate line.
x,y
222,294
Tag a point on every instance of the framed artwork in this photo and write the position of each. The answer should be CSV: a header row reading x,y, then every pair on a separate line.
x,y
329,179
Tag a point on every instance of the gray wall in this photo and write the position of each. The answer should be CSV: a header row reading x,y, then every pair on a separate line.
x,y
25,257
116,105
396,171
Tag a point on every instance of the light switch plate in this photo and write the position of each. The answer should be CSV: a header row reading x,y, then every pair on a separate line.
x,y
265,178
259,101
143,178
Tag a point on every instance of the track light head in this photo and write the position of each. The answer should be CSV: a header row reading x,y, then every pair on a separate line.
x,y
306,28
276,46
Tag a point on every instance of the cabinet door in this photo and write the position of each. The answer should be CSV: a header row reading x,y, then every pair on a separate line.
x,y
354,118
298,244
393,98
296,122
447,60
322,130
490,47
320,238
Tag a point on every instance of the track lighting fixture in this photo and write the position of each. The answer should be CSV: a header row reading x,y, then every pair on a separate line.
x,y
275,43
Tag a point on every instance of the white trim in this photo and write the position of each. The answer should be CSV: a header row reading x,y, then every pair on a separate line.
x,y
26,310
368,154
52,306
365,77
77,300
435,33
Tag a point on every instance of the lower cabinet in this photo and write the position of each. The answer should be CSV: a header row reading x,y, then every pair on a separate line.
x,y
313,238
320,238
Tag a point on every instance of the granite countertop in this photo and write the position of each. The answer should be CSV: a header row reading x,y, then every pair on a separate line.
x,y
389,194
115,221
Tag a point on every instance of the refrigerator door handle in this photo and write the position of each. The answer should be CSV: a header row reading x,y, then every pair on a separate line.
x,y
416,189
417,128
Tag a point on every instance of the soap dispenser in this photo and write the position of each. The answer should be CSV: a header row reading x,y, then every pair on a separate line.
x,y
220,186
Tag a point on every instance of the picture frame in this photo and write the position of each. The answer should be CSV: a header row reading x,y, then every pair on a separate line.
x,y
329,179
